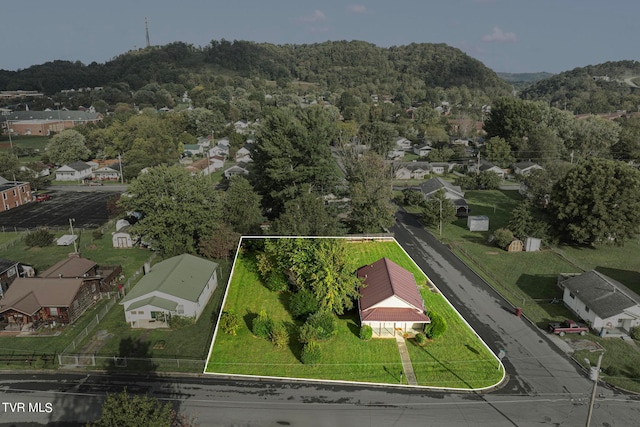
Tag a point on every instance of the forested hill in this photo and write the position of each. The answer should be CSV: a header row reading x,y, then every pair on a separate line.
x,y
593,89
329,64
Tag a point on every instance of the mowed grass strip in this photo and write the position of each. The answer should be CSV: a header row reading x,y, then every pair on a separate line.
x,y
345,357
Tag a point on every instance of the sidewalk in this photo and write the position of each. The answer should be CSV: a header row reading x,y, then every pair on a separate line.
x,y
407,367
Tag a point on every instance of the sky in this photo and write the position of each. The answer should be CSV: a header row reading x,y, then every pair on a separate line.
x,y
514,36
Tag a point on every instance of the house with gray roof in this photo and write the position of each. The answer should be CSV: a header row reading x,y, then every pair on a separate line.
x,y
411,170
390,301
525,168
605,304
178,286
452,192
75,171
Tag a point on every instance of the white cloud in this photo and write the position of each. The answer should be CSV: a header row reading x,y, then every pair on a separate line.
x,y
357,8
316,16
497,35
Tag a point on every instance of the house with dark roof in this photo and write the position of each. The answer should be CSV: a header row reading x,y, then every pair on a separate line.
x,y
452,192
178,286
76,171
525,168
605,304
50,300
411,170
390,301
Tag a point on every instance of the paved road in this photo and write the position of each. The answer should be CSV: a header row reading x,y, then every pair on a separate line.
x,y
74,399
535,366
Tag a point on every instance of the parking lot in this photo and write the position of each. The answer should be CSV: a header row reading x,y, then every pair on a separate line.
x,y
88,208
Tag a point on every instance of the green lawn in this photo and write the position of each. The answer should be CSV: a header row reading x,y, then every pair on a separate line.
x,y
529,279
101,251
526,279
344,357
8,236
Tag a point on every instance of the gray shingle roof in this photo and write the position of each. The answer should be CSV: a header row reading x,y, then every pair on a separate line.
x,y
434,184
602,294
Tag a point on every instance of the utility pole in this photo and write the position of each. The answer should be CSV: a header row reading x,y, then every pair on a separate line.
x,y
478,168
75,244
440,217
120,163
595,387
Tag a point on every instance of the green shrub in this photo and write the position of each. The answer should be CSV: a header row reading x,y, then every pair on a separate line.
x,y
318,327
229,322
503,237
413,197
40,237
612,371
303,303
262,325
310,353
366,332
437,327
421,339
97,234
635,333
279,335
178,322
276,282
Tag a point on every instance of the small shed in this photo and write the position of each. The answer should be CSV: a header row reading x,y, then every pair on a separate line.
x,y
66,240
532,244
515,246
122,239
478,223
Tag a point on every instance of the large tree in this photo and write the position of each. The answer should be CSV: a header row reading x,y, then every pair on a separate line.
x,y
370,189
67,147
498,151
242,206
307,215
292,152
597,201
178,210
437,209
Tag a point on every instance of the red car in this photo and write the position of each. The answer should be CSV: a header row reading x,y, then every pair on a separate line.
x,y
43,197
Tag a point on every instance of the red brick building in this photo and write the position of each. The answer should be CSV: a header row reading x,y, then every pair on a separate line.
x,y
13,194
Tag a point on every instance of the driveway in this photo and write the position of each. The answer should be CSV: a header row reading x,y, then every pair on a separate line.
x,y
534,365
89,209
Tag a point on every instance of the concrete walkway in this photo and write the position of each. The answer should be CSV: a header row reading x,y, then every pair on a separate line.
x,y
407,367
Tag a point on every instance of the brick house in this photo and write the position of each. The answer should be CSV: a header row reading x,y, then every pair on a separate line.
x,y
14,194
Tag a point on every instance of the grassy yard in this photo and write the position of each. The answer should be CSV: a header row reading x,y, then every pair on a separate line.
x,y
529,279
8,236
526,279
101,251
346,357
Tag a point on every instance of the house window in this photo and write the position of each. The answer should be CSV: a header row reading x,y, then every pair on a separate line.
x,y
14,192
572,295
586,309
53,311
93,287
180,309
4,196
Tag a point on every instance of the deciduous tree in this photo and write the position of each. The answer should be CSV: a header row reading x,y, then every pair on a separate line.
x,y
596,202
178,210
66,147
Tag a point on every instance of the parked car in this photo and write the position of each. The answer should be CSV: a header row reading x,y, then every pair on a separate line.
x,y
43,197
567,327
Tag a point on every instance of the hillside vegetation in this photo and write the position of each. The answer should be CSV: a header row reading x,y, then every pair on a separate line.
x,y
330,64
591,89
